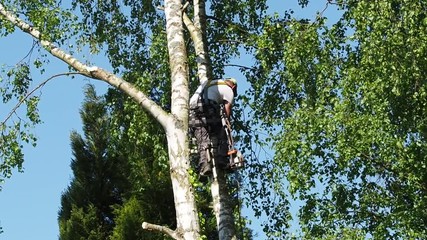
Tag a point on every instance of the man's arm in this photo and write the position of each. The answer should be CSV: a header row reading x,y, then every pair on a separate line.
x,y
227,108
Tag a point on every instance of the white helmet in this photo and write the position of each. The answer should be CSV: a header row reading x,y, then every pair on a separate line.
x,y
234,81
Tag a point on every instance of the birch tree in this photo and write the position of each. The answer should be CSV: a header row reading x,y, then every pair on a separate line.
x,y
175,123
50,27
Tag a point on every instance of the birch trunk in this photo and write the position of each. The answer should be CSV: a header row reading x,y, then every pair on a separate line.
x,y
222,203
222,206
177,130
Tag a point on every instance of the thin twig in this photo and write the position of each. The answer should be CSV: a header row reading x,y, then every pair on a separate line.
x,y
32,91
29,52
239,66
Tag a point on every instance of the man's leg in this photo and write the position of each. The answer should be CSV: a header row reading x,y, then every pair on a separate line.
x,y
220,145
203,144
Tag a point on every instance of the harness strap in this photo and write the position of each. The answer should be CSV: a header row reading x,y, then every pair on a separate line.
x,y
219,82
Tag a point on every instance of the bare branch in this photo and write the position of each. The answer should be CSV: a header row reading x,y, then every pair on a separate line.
x,y
162,229
240,66
31,93
319,15
195,28
185,5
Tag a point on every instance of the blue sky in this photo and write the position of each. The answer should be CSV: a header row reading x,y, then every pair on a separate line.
x,y
29,201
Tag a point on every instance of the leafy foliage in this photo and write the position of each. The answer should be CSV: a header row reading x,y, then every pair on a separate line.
x,y
49,16
16,81
118,182
128,221
83,224
344,104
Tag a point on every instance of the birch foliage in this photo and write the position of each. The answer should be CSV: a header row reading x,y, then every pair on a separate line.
x,y
344,103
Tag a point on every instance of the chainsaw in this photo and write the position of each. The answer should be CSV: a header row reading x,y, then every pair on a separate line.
x,y
236,157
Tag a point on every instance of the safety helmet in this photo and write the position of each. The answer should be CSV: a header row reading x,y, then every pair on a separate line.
x,y
234,86
234,81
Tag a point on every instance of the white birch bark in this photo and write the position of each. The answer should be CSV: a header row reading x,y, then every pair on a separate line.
x,y
175,124
221,199
223,207
177,130
200,41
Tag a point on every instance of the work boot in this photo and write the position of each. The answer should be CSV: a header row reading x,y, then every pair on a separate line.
x,y
205,171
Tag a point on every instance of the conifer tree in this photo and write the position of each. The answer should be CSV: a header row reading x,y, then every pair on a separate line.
x,y
87,206
113,190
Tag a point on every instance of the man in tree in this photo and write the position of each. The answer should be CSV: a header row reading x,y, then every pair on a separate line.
x,y
206,106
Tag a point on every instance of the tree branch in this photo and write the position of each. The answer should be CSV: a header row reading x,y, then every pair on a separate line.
x,y
240,66
93,72
31,93
203,62
162,229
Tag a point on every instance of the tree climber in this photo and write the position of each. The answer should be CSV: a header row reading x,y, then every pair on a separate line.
x,y
206,125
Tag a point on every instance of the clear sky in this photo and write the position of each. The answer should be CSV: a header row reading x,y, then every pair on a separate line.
x,y
29,201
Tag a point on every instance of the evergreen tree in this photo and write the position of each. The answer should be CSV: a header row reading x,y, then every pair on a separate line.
x,y
87,206
116,183
141,140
